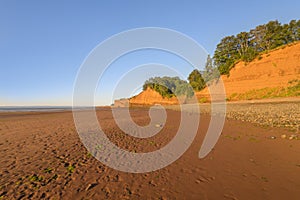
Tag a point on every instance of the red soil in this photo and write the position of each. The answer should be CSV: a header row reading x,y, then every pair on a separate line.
x,y
273,69
150,97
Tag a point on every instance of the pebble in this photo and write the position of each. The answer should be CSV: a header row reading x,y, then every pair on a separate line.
x,y
90,186
152,183
284,114
117,178
283,136
106,190
293,137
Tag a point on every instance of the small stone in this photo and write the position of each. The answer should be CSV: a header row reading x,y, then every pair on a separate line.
x,y
90,186
294,136
117,178
152,183
106,190
163,198
283,136
128,190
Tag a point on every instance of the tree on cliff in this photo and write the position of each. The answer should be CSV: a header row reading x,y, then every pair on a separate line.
x,y
246,46
226,54
211,72
196,80
169,86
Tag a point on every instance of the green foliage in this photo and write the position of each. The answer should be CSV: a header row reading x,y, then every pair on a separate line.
x,y
35,177
246,46
48,170
196,81
169,86
71,169
226,54
211,72
203,100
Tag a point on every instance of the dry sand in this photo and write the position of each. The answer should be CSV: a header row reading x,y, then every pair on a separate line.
x,y
42,157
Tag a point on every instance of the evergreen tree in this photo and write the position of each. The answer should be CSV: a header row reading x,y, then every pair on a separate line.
x,y
211,72
196,81
246,46
226,54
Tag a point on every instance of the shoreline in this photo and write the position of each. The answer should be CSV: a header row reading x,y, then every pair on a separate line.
x,y
279,112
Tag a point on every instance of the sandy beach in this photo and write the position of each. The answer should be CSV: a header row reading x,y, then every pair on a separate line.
x,y
42,157
149,100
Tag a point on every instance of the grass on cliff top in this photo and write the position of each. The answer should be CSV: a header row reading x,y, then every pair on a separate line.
x,y
293,90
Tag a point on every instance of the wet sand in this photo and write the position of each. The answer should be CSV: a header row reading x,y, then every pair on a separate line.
x,y
43,157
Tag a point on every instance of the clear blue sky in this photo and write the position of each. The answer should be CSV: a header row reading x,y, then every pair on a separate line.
x,y
43,43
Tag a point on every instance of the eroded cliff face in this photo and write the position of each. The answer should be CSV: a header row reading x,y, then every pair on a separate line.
x,y
121,103
274,69
151,97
